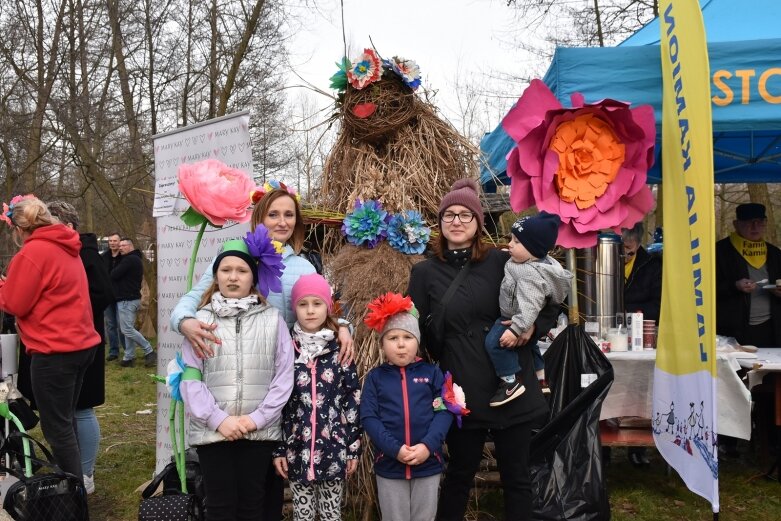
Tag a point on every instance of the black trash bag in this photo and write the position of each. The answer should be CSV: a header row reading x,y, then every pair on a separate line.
x,y
565,458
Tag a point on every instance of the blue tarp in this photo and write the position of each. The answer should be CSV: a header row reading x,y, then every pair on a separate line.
x,y
745,87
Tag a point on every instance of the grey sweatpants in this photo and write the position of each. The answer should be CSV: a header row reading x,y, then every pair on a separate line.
x,y
408,499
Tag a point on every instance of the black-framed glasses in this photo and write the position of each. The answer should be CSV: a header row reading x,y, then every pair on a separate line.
x,y
463,217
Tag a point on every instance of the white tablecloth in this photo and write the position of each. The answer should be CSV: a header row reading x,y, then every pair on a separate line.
x,y
769,361
632,391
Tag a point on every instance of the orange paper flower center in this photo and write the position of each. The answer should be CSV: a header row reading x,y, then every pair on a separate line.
x,y
590,156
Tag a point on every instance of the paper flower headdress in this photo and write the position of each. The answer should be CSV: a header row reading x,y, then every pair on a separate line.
x,y
367,68
587,164
257,193
8,209
384,307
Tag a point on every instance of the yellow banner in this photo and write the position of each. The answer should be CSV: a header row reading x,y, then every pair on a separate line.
x,y
685,375
687,321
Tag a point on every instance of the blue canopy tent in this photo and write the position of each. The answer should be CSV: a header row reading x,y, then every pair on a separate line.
x,y
744,46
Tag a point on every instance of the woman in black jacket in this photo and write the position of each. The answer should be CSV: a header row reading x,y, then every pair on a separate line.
x,y
643,276
454,334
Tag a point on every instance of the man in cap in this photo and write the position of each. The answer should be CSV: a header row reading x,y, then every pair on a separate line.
x,y
748,301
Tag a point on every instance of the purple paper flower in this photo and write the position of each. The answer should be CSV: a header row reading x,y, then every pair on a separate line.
x,y
269,255
366,224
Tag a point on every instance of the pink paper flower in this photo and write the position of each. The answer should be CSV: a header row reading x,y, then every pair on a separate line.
x,y
587,164
364,70
216,191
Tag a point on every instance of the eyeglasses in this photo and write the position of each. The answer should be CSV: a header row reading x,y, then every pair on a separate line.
x,y
464,217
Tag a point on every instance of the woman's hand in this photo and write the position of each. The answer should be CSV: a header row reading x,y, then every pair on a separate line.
x,y
345,345
281,465
200,336
232,428
352,466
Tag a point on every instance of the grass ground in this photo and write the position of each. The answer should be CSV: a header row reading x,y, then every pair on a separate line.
x,y
127,458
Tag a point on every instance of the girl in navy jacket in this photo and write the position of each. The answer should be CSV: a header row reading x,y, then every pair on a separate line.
x,y
401,413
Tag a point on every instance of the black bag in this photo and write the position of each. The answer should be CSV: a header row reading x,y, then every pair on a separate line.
x,y
176,503
55,496
173,505
193,477
565,460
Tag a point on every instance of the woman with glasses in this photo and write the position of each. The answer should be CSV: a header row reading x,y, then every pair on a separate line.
x,y
454,322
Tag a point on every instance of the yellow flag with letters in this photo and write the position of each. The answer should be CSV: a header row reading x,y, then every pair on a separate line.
x,y
684,405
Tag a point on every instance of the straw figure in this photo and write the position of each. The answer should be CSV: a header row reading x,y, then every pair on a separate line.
x,y
393,160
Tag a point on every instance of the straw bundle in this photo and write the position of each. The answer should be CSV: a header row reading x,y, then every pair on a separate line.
x,y
405,156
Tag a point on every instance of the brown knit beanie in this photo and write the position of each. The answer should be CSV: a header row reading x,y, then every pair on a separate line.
x,y
464,192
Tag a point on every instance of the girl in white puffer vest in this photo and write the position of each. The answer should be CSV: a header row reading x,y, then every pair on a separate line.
x,y
235,398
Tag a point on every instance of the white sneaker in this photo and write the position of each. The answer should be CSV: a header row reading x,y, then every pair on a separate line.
x,y
89,484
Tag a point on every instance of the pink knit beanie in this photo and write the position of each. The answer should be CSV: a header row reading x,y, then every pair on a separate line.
x,y
464,192
312,285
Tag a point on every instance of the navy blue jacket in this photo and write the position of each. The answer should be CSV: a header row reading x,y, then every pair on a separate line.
x,y
397,409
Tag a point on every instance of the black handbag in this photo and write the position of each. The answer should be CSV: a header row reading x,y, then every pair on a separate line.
x,y
173,505
53,496
176,504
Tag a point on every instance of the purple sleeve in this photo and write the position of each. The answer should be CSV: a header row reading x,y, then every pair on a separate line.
x,y
270,409
198,401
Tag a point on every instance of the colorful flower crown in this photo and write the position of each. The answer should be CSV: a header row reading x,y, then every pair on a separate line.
x,y
8,209
367,68
384,307
260,191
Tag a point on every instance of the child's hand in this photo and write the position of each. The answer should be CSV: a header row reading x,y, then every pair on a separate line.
x,y
418,454
352,465
521,339
281,465
404,455
507,340
248,424
232,428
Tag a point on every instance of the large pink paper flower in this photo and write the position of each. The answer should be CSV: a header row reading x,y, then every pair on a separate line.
x,y
587,164
216,191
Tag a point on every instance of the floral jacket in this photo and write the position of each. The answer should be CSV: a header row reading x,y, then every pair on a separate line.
x,y
319,435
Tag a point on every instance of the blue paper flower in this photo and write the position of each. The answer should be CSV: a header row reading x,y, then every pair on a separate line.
x,y
407,70
408,233
269,255
366,224
174,377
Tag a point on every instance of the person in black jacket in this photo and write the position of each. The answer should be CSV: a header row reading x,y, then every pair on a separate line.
x,y
111,258
127,278
93,387
747,308
643,276
643,293
454,334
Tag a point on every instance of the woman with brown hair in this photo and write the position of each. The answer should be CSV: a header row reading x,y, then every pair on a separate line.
x,y
457,295
278,210
46,290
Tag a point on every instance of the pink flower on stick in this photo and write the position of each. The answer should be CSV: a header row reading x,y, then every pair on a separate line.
x,y
587,164
216,191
